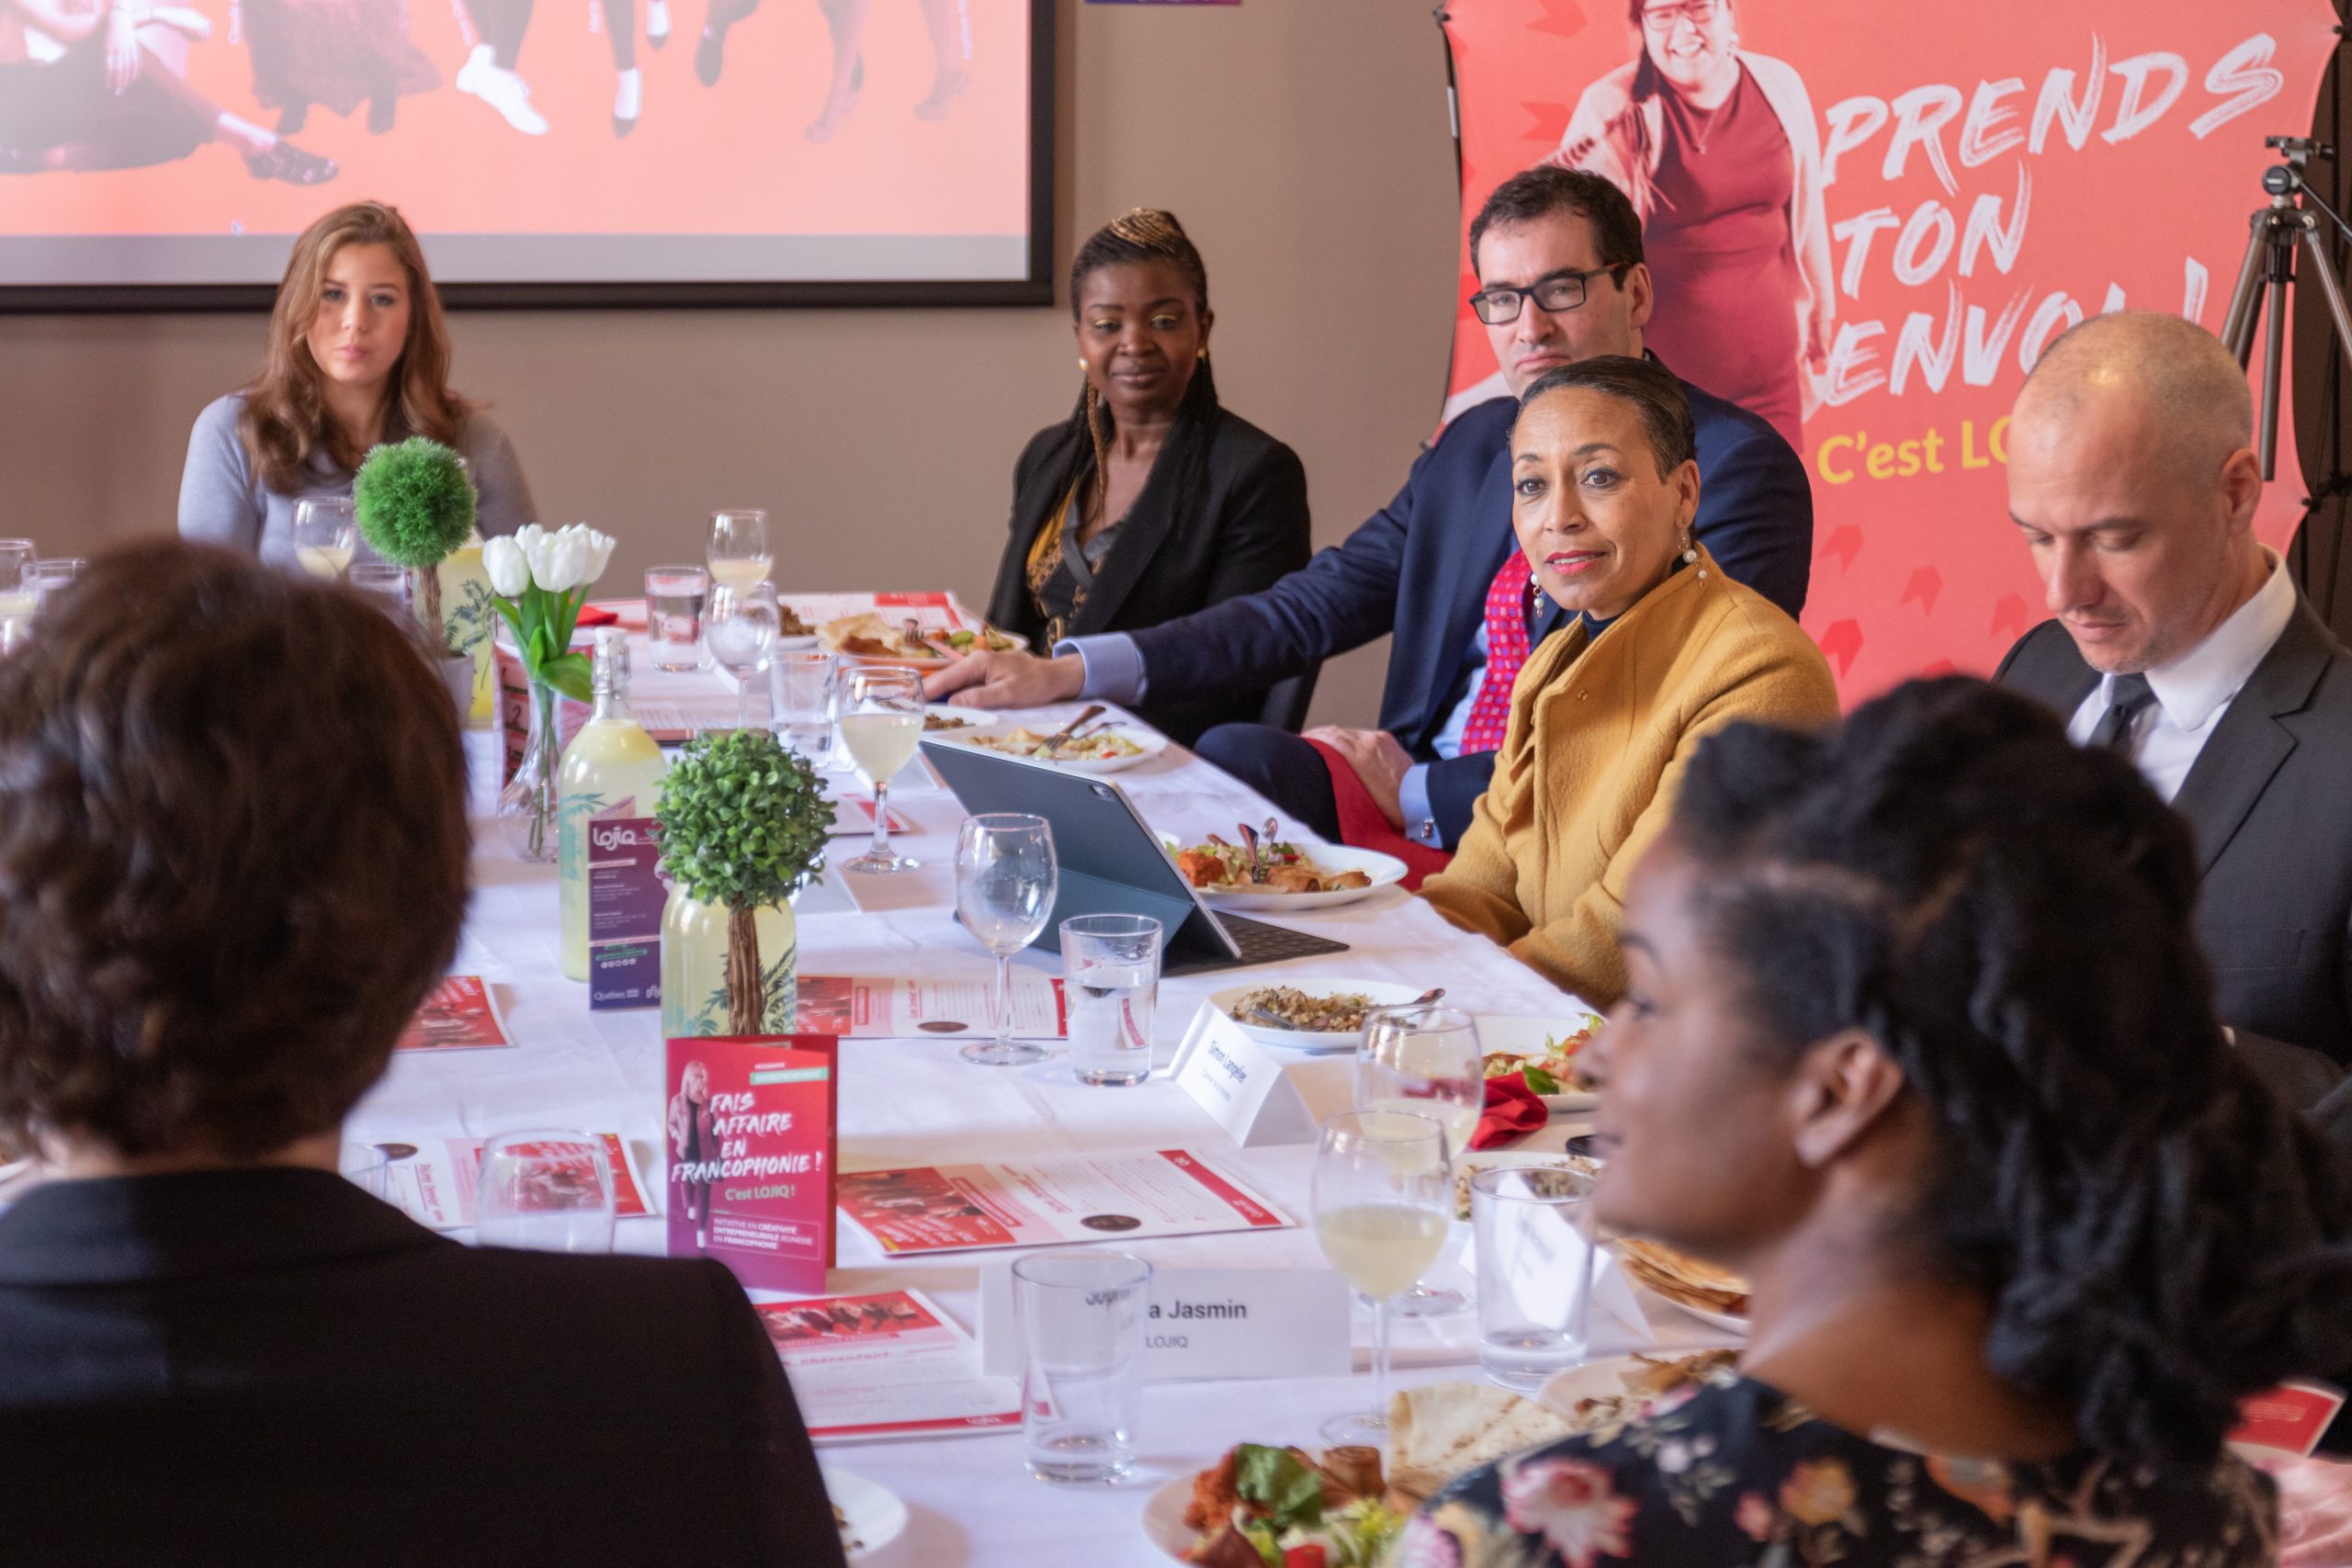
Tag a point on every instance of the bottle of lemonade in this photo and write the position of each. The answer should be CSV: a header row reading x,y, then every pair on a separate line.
x,y
611,769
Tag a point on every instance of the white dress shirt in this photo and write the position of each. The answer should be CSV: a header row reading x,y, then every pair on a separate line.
x,y
2194,690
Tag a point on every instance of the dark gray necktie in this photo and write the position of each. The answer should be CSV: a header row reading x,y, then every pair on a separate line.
x,y
2125,699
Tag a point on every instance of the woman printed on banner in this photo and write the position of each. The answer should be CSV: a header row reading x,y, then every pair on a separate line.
x,y
693,1141
1717,148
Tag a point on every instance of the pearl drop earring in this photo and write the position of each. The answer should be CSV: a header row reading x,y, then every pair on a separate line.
x,y
1691,555
1082,365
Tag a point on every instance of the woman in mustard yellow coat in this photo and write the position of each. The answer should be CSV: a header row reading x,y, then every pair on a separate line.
x,y
1665,650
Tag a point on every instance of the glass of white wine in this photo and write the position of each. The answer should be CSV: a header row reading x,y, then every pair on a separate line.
x,y
1383,1190
1005,879
880,721
325,532
738,547
740,631
1426,1061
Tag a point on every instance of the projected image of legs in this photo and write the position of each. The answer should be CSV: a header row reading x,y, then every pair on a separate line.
x,y
489,73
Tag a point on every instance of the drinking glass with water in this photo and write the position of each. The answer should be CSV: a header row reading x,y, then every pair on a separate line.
x,y
549,1192
1533,1225
1111,972
1082,1315
674,597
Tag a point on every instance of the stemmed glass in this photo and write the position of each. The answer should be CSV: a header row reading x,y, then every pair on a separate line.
x,y
1425,1061
1381,1192
738,547
20,597
740,631
551,1191
879,722
325,532
1005,879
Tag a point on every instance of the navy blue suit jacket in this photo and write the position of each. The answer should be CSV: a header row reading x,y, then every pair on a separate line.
x,y
1421,566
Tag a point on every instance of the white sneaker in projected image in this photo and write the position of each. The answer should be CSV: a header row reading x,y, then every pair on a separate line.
x,y
501,90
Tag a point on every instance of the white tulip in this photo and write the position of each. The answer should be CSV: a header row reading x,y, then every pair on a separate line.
x,y
599,552
504,563
547,569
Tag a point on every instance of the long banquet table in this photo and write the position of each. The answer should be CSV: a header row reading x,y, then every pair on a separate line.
x,y
913,1102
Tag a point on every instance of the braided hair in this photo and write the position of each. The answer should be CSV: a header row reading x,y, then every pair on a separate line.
x,y
1145,234
2008,917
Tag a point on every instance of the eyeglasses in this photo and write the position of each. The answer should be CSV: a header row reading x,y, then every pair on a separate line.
x,y
1560,291
1660,19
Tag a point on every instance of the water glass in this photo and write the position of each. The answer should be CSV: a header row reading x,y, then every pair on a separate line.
x,y
1005,881
738,547
549,1192
367,1166
1426,1061
1383,1198
326,530
804,685
741,632
674,597
1082,1315
1536,1262
382,582
879,714
1111,971
51,576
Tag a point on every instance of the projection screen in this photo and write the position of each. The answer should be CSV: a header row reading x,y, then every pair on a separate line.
x,y
161,154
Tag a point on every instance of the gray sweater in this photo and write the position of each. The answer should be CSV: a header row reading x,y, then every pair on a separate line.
x,y
222,501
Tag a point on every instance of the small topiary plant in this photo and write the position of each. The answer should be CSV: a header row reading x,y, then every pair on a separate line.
x,y
742,823
415,506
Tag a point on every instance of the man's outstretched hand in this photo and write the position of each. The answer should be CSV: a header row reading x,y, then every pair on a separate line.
x,y
1010,680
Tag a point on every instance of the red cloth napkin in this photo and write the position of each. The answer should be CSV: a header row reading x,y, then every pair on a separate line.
x,y
596,615
1362,826
1513,1111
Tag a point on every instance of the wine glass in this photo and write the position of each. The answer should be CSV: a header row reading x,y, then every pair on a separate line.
x,y
1382,1195
325,532
1425,1061
881,720
1004,894
740,631
20,597
738,547
549,1192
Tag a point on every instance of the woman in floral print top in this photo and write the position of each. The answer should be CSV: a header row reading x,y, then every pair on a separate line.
x,y
1917,1038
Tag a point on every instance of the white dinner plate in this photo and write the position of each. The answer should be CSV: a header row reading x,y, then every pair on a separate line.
x,y
1730,1323
796,644
1475,1160
1386,871
1384,993
1524,1036
1163,1518
873,1516
1153,744
1594,1380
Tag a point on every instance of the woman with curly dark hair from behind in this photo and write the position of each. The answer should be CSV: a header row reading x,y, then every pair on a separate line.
x,y
233,861
1917,1038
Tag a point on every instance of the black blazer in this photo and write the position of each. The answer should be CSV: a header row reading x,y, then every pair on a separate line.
x,y
2270,801
1246,529
269,1366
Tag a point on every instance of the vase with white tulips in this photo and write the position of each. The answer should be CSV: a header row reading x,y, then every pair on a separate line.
x,y
540,579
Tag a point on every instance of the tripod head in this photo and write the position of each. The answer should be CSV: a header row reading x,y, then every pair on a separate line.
x,y
2285,178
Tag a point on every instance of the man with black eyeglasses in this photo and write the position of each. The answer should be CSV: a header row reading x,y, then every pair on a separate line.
x,y
1559,258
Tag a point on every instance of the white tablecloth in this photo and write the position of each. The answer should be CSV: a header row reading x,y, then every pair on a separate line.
x,y
913,1102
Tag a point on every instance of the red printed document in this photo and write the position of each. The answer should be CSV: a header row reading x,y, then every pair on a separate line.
x,y
886,1366
878,1007
2289,1419
1120,1197
461,1015
432,1179
750,1121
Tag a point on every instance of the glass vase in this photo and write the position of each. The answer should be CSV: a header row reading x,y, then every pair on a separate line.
x,y
694,967
527,807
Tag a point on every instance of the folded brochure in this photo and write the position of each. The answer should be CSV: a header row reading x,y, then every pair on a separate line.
x,y
432,1179
892,1365
881,1007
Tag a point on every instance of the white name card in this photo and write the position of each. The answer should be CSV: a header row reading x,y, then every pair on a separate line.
x,y
1208,1323
1240,1084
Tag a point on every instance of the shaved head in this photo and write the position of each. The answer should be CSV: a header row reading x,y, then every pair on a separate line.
x,y
2170,372
2132,476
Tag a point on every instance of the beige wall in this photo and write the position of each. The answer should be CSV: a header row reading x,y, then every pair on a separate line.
x,y
1304,142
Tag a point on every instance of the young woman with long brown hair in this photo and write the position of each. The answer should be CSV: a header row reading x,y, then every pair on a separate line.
x,y
358,356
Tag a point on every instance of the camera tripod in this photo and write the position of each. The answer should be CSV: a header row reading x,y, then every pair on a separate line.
x,y
2270,268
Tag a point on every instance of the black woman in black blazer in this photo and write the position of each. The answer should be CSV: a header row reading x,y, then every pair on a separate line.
x,y
1234,526
1220,511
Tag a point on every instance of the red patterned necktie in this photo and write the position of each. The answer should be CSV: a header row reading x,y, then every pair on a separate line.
x,y
1506,655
